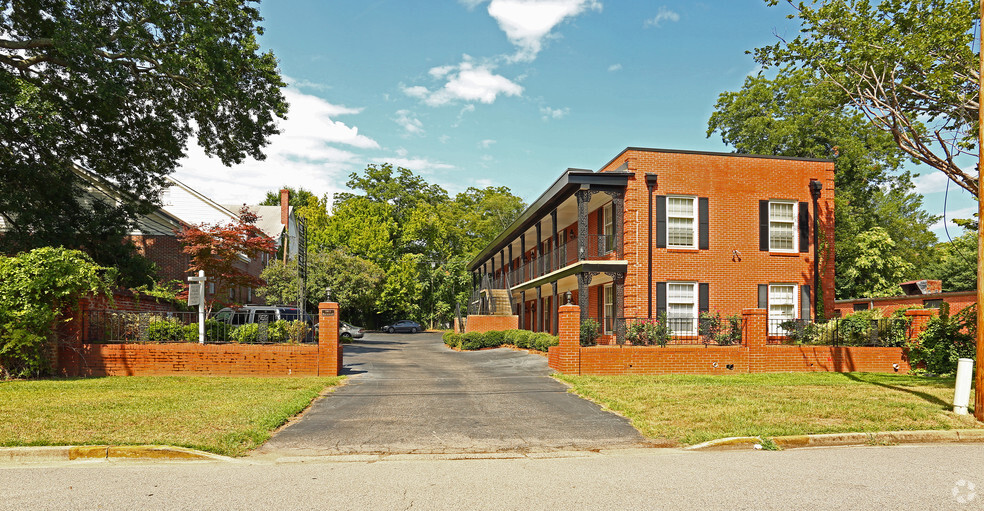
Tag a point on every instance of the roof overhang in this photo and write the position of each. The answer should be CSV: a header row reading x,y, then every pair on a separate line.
x,y
569,182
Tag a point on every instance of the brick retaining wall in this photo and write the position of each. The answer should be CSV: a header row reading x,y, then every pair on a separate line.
x,y
477,323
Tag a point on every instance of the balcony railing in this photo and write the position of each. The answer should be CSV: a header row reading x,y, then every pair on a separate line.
x,y
598,247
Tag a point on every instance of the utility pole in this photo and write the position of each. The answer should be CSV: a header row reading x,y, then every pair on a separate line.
x,y
979,379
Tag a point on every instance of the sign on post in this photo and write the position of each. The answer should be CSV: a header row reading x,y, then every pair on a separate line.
x,y
196,296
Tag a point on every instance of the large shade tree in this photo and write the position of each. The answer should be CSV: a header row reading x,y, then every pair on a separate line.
x,y
119,88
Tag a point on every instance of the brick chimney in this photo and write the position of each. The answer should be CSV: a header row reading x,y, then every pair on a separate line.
x,y
284,200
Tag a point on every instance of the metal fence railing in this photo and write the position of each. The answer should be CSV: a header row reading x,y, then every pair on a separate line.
x,y
705,329
116,326
885,332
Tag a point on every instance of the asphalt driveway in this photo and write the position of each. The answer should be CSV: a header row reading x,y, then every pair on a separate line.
x,y
411,394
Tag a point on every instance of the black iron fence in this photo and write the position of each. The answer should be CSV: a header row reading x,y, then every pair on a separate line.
x,y
885,332
113,326
707,329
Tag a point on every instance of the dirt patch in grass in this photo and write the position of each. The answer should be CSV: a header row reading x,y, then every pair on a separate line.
x,y
694,409
217,414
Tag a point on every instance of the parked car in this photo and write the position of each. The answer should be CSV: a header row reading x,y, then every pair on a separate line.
x,y
251,314
349,331
403,325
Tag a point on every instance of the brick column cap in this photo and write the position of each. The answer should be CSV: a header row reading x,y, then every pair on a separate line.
x,y
328,305
570,308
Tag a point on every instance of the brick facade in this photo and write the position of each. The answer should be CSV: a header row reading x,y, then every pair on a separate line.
x,y
730,267
488,323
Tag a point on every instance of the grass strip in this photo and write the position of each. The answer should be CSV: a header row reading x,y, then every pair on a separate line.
x,y
223,415
693,409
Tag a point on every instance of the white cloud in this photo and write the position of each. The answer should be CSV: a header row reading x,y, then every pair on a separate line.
x,y
304,84
465,82
487,157
471,4
444,139
410,123
527,22
954,229
554,113
931,182
303,154
487,143
614,67
414,164
662,15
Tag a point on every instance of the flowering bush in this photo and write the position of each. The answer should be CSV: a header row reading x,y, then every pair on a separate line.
x,y
646,332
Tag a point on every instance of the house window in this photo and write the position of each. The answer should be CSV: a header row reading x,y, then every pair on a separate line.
x,y
782,306
935,303
211,288
608,227
609,309
681,231
860,307
249,294
681,307
782,230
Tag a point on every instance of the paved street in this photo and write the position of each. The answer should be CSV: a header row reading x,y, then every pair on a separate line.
x,y
924,477
410,394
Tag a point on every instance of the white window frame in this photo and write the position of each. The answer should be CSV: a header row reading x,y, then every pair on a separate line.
x,y
607,308
774,328
795,227
608,226
693,308
692,218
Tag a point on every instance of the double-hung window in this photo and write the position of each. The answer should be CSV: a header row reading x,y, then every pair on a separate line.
x,y
608,227
681,307
609,309
782,306
681,224
782,226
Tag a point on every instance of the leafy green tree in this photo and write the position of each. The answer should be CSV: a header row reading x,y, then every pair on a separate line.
x,y
486,212
801,114
433,230
35,288
402,293
402,190
317,214
956,263
280,282
118,89
354,283
364,228
878,269
907,65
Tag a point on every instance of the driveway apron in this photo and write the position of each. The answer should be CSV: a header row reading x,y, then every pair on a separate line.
x,y
409,393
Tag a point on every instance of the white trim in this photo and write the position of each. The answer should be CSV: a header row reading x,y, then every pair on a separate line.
x,y
795,219
693,219
693,311
773,327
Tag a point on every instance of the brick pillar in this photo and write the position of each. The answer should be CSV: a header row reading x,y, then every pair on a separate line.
x,y
329,349
918,319
755,327
569,360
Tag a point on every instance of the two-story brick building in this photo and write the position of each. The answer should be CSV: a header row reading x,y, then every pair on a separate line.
x,y
671,232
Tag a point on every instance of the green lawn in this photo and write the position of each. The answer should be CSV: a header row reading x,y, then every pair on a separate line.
x,y
222,415
694,409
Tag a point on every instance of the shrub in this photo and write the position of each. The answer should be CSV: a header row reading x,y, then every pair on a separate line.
x,y
245,333
722,331
472,340
590,330
946,339
542,341
452,339
521,339
216,331
161,329
21,353
646,332
494,338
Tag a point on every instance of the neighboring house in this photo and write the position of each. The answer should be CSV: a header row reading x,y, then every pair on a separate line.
x,y
278,222
670,232
918,293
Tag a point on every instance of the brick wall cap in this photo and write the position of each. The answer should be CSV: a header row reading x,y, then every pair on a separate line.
x,y
328,305
921,312
755,312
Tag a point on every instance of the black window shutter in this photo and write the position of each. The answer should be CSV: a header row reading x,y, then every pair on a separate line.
x,y
763,296
660,299
805,302
804,226
703,297
703,222
660,221
764,225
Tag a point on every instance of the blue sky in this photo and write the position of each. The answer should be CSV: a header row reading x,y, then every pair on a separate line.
x,y
499,92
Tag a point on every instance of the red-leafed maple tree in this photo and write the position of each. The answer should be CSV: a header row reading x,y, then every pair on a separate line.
x,y
220,249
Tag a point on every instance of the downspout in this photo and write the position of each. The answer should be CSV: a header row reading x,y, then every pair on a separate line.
x,y
815,188
651,184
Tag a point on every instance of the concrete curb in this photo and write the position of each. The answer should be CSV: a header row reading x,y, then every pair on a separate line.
x,y
104,452
839,439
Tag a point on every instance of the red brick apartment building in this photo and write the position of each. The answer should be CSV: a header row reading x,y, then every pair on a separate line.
x,y
672,232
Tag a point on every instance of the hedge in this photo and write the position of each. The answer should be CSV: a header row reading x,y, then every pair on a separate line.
x,y
540,341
